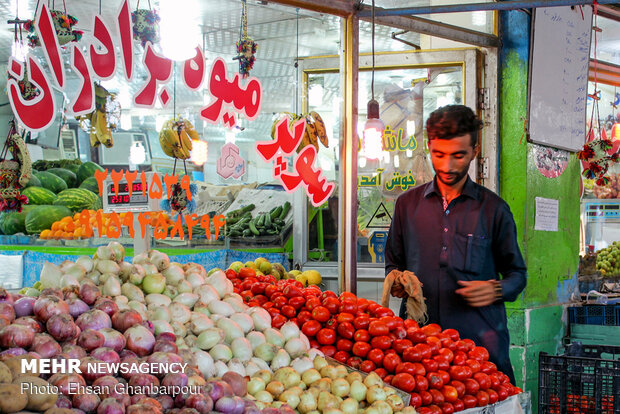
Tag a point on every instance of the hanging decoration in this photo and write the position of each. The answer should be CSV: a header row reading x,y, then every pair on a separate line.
x,y
246,47
15,173
145,24
315,129
180,202
106,116
63,23
599,153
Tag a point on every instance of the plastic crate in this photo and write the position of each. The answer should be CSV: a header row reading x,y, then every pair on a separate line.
x,y
595,315
585,384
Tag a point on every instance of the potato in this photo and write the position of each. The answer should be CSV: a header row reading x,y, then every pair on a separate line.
x,y
15,365
39,401
12,399
6,377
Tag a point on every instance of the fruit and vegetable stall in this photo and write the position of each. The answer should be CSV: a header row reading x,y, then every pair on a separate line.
x,y
246,342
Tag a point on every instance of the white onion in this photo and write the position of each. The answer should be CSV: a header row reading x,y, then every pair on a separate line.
x,y
244,320
111,287
195,280
313,353
137,275
274,337
75,270
207,293
261,363
220,282
266,351
295,347
108,266
221,352
69,281
158,313
86,262
140,258
236,365
205,363
184,287
162,326
201,307
305,339
209,338
302,365
200,323
187,299
174,274
256,338
105,253
50,276
157,299
241,349
149,268
138,307
159,259
220,308
231,329
280,360
290,330
132,292
251,368
261,318
179,329
220,368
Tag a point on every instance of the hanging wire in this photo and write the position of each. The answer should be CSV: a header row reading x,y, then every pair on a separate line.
x,y
297,67
99,7
372,82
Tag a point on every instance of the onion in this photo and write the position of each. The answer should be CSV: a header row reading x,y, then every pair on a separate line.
x,y
184,287
209,338
220,282
290,330
86,402
106,385
137,275
180,313
274,337
113,339
16,336
110,406
196,280
200,402
69,282
89,293
174,274
244,320
11,352
118,251
77,307
73,351
106,354
111,287
52,292
46,348
62,327
256,338
200,323
159,313
170,291
132,292
207,293
261,318
241,349
154,283
157,299
236,302
140,258
218,389
124,319
231,329
221,352
205,363
94,319
302,365
266,351
165,346
63,402
106,305
23,306
179,329
50,276
166,401
159,259
90,339
237,382
108,266
174,379
48,306
86,262
142,382
162,327
31,323
139,340
230,405
63,381
104,253
138,307
295,347
280,360
187,299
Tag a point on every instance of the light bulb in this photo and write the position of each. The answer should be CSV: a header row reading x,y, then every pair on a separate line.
x,y
396,161
362,162
180,34
199,153
19,51
137,154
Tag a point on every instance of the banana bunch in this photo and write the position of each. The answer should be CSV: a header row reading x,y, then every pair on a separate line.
x,y
315,129
176,138
96,124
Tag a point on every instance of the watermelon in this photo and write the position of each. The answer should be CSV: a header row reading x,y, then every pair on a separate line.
x,y
34,182
69,177
39,196
73,168
41,218
14,222
87,170
51,181
78,199
90,184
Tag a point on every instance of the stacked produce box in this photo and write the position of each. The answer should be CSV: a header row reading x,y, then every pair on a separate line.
x,y
154,336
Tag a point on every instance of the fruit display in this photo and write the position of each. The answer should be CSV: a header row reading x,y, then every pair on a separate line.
x,y
98,124
176,136
262,267
78,199
609,191
314,133
51,181
608,260
240,223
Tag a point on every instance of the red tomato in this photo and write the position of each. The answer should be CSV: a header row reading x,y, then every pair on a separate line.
x,y
388,379
270,290
431,329
328,294
361,349
493,396
483,380
430,365
416,400
474,365
405,367
231,274
362,304
345,317
401,345
288,311
447,353
495,380
421,383
483,398
292,291
434,343
399,332
471,386
410,323
378,328
434,380
362,322
328,350
348,306
502,392
253,303
419,369
460,388
248,283
458,373
331,304
346,330
462,346
321,314
331,323
261,299
469,401
381,372
458,405
424,350
326,336
258,288
277,321
438,397
453,334
303,317
411,354
376,356
311,328
427,397
341,356
344,345
297,302
279,301
442,362
354,362
367,366
267,305
470,344
447,408
246,272
347,295
390,361
382,311
488,367
459,358
450,393
404,381
444,376
247,295
390,322
361,335
381,342
479,353
312,303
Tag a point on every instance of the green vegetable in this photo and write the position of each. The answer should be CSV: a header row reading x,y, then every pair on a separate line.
x,y
285,209
51,182
253,228
275,212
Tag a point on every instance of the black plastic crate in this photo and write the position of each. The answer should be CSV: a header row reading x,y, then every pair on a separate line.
x,y
587,383
595,315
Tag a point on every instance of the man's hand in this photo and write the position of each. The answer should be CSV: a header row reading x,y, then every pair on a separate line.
x,y
398,290
477,293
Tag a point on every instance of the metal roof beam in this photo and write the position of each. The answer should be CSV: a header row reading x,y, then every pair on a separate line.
x,y
341,8
458,8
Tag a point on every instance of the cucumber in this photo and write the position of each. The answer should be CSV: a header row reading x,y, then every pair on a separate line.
x,y
253,228
246,233
275,212
248,208
267,221
261,220
285,209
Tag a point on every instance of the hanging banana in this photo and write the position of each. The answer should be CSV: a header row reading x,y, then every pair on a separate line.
x,y
175,138
315,129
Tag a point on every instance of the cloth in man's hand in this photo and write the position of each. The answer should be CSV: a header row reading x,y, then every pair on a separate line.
x,y
416,307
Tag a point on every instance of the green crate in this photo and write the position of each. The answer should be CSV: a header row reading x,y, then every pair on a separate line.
x,y
595,334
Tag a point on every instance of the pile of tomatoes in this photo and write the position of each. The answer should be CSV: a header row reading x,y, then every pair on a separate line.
x,y
442,372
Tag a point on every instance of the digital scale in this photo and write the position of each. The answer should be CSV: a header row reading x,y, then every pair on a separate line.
x,y
136,203
601,223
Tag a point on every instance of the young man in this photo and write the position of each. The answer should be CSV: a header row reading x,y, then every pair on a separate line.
x,y
458,237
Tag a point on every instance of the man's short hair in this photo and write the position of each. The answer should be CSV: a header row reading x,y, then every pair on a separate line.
x,y
452,121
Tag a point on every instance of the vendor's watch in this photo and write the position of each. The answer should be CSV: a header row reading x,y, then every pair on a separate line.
x,y
499,293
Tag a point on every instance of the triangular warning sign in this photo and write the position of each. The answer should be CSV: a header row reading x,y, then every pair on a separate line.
x,y
381,219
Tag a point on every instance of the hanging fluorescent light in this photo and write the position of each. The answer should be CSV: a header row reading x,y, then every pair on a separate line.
x,y
180,33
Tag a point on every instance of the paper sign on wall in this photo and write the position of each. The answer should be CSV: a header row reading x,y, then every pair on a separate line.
x,y
547,211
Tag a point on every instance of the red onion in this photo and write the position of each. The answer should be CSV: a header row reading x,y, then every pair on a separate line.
x,y
23,306
143,382
132,362
90,339
250,407
230,405
181,399
63,402
187,355
4,321
113,339
149,325
94,372
67,383
125,319
106,384
236,382
126,353
218,389
120,395
30,322
76,411
77,307
6,297
200,402
47,306
89,293
62,327
52,292
139,340
13,336
7,311
107,305
73,351
106,354
86,402
136,398
174,379
11,352
165,346
143,409
166,336
110,406
93,319
166,402
47,348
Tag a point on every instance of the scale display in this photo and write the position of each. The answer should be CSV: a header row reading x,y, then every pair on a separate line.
x,y
123,202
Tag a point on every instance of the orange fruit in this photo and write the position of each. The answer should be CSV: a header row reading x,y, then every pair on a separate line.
x,y
77,233
55,226
45,234
70,226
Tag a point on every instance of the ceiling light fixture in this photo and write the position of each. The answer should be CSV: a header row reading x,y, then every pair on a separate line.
x,y
373,129
179,37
